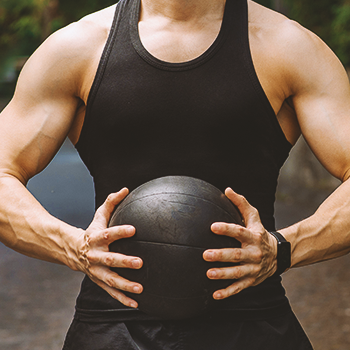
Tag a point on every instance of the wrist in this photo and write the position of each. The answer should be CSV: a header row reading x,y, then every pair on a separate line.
x,y
74,246
283,252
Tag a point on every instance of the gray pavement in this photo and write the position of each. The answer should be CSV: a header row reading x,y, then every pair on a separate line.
x,y
37,298
320,293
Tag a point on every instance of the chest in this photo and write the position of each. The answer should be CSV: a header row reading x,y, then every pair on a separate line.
x,y
183,42
175,43
178,42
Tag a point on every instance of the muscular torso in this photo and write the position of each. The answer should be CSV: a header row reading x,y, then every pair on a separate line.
x,y
183,41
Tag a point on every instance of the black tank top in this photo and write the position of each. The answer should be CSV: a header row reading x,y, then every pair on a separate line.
x,y
208,118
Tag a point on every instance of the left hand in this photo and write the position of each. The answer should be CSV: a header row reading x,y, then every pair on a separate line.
x,y
256,257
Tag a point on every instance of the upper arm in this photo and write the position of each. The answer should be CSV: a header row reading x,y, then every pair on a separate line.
x,y
36,121
320,91
42,111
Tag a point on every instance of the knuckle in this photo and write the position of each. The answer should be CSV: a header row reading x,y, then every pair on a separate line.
x,y
238,273
251,282
219,274
234,289
110,198
91,258
237,255
241,198
125,286
109,260
258,238
240,230
125,262
116,295
255,211
255,271
105,234
258,256
227,227
218,255
109,280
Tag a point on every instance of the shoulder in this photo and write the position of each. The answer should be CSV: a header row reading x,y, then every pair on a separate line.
x,y
299,55
72,52
279,32
83,34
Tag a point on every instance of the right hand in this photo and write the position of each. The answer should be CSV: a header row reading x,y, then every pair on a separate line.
x,y
96,258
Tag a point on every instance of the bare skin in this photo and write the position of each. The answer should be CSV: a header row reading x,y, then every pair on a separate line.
x,y
49,104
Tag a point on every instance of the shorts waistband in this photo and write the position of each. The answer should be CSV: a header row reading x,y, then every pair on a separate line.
x,y
122,315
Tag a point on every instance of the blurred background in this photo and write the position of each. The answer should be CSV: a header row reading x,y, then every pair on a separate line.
x,y
37,299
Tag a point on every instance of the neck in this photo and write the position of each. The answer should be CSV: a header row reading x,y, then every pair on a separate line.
x,y
183,10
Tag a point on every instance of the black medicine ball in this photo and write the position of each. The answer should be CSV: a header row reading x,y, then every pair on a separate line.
x,y
172,216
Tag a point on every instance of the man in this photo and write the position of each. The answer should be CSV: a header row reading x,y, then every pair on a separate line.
x,y
151,88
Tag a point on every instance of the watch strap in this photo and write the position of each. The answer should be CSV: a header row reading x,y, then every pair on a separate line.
x,y
283,252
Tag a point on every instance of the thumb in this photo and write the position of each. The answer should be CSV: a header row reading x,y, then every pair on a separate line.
x,y
104,212
250,214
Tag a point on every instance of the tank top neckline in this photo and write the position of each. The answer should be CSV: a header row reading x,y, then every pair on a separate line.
x,y
158,63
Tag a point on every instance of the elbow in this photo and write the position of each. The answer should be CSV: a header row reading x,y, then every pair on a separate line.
x,y
346,175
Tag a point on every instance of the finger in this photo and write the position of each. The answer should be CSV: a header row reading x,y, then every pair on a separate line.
x,y
234,255
233,289
125,300
116,294
113,280
104,212
99,258
249,213
111,234
238,232
231,272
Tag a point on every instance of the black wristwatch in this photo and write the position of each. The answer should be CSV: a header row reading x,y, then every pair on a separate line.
x,y
283,253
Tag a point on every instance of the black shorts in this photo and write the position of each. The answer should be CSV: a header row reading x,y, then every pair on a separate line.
x,y
282,332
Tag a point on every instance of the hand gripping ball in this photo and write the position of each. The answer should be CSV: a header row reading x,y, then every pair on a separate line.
x,y
172,216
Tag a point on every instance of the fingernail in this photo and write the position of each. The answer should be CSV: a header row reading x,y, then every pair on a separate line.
x,y
212,274
133,304
130,230
136,263
209,255
217,296
215,227
137,289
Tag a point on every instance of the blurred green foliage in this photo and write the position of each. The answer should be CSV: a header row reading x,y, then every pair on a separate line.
x,y
340,39
329,19
24,24
267,3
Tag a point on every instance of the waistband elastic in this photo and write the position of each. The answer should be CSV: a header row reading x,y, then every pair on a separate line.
x,y
123,315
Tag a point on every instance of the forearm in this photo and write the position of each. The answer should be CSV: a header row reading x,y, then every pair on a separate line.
x,y
326,234
25,226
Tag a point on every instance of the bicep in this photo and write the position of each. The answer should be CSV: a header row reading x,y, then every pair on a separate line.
x,y
38,118
29,140
322,103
